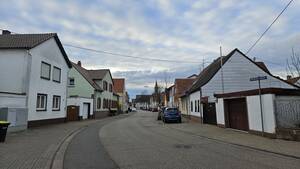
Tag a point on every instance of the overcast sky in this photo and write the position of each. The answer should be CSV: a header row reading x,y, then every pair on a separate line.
x,y
165,29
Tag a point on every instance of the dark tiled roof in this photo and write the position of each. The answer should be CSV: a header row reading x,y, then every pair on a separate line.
x,y
182,85
98,74
29,41
119,85
263,66
85,73
209,72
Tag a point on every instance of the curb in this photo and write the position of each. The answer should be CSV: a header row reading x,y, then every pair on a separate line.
x,y
58,157
236,144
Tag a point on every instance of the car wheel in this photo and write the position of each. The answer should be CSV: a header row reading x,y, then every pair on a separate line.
x,y
179,121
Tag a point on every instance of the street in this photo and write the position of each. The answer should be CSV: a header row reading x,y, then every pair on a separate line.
x,y
139,141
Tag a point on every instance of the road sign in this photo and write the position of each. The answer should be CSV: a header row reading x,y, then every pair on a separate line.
x,y
258,78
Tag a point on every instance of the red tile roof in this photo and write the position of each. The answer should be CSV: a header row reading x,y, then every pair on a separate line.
x,y
119,85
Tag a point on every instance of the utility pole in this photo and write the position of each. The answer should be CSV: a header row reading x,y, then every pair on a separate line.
x,y
222,79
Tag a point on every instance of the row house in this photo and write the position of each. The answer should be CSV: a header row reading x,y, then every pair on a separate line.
x,y
120,88
90,93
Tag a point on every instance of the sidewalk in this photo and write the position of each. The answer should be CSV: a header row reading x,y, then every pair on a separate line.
x,y
288,148
36,147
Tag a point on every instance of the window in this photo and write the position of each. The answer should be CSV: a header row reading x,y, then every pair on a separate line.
x,y
56,103
56,74
104,85
41,102
198,105
98,103
191,106
71,81
45,70
195,105
110,87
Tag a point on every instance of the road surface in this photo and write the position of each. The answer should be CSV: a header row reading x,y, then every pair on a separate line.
x,y
139,141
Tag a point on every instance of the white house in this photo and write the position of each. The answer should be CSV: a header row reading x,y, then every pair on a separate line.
x,y
33,72
234,75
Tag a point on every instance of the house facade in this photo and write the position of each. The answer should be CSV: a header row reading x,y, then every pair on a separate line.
x,y
94,85
234,75
120,88
34,70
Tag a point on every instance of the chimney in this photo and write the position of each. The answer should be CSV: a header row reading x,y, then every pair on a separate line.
x,y
79,63
288,77
6,32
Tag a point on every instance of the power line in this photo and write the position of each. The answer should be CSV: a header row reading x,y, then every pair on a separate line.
x,y
269,27
128,56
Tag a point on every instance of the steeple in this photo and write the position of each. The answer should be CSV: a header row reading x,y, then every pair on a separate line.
x,y
156,87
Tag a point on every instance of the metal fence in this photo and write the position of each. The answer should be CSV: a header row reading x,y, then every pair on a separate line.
x,y
287,112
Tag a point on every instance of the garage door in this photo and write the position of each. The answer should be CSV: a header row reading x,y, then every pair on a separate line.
x,y
73,113
237,114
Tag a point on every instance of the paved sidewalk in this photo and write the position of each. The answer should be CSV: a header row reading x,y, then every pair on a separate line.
x,y
35,148
289,148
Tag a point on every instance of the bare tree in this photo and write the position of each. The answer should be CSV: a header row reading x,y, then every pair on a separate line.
x,y
293,64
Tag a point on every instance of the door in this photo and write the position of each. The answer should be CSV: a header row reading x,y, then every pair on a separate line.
x,y
86,111
237,114
209,113
73,113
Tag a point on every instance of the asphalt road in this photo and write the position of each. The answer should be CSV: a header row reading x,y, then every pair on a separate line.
x,y
140,141
86,151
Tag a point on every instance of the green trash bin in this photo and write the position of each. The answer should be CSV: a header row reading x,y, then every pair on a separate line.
x,y
3,130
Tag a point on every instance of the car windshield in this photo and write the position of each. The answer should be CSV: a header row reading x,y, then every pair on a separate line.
x,y
172,110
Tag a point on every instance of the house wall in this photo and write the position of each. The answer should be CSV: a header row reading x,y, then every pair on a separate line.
x,y
220,112
49,53
82,87
79,101
14,71
184,105
106,94
195,97
254,114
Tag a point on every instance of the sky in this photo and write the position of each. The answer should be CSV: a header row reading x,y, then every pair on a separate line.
x,y
180,30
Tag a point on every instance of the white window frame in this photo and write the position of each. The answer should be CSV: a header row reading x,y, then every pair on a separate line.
x,y
69,80
41,105
56,103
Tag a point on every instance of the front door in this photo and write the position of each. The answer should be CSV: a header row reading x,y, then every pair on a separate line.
x,y
209,113
86,111
73,113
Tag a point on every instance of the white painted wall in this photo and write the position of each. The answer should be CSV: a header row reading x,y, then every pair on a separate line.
x,y
13,71
253,110
220,111
49,53
236,74
254,115
195,97
79,101
12,101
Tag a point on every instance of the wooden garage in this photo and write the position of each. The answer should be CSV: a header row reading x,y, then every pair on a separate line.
x,y
236,115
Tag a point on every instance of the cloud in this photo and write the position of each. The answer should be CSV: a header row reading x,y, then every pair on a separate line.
x,y
164,29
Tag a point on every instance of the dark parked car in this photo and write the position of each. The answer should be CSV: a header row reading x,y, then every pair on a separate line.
x,y
171,115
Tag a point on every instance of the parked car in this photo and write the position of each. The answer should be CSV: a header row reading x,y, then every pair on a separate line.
x,y
160,113
171,115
